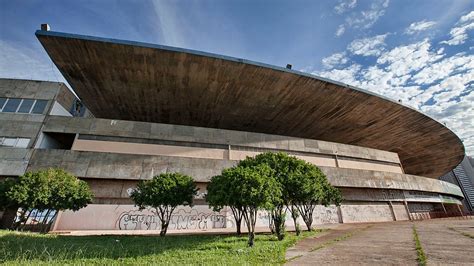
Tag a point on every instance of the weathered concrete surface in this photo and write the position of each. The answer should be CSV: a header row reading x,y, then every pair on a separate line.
x,y
383,243
444,241
443,245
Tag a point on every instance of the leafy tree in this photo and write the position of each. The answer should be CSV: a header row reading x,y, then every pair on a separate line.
x,y
5,186
220,194
164,193
253,189
312,188
52,190
283,169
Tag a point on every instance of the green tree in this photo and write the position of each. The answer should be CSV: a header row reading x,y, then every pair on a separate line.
x,y
283,170
220,193
52,190
164,193
311,188
5,186
252,188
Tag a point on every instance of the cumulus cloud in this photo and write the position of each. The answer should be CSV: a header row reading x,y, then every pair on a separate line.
x,y
334,60
419,26
421,75
368,46
364,19
344,6
459,33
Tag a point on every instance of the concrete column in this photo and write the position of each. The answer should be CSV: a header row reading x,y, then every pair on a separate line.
x,y
391,210
408,210
444,208
460,211
228,152
339,214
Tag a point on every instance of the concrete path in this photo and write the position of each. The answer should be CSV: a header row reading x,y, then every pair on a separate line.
x,y
447,241
444,241
384,243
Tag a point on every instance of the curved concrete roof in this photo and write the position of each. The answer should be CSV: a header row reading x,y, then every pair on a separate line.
x,y
145,82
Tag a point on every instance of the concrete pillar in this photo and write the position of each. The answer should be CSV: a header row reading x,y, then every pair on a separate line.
x,y
339,215
460,211
408,210
444,209
392,211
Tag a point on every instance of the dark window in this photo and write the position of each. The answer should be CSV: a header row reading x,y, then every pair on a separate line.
x,y
12,105
2,102
25,106
39,107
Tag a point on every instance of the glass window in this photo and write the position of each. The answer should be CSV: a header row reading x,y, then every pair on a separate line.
x,y
2,102
25,106
39,107
22,142
11,106
10,142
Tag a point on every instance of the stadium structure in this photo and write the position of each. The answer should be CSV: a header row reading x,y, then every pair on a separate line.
x,y
141,109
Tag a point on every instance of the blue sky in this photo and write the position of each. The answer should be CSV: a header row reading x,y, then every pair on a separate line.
x,y
420,52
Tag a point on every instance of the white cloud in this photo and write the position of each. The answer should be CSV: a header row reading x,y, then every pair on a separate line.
x,y
344,6
169,24
340,30
405,59
459,33
425,77
24,63
419,26
368,46
365,18
334,60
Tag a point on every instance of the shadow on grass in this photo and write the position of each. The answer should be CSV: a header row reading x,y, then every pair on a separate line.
x,y
28,246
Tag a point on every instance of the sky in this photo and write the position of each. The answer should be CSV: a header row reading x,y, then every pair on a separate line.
x,y
418,52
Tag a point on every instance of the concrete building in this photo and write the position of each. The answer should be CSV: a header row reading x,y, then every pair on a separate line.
x,y
145,109
463,176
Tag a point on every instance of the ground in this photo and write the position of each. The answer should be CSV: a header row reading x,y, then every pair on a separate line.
x,y
442,241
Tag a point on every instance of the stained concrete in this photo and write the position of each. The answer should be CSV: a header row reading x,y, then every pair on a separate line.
x,y
376,244
443,245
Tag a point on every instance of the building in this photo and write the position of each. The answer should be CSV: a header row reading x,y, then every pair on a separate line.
x,y
463,176
146,109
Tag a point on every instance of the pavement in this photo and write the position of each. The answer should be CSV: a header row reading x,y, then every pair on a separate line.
x,y
444,241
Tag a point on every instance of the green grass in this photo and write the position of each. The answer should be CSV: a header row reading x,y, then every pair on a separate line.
x,y
29,248
421,257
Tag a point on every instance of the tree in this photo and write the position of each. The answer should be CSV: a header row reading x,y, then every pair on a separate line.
x,y
252,188
50,190
283,170
6,205
312,188
164,193
220,194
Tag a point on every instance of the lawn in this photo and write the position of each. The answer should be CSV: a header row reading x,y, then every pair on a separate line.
x,y
29,248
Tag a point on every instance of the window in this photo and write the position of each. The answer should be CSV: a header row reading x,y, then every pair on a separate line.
x,y
39,106
11,106
25,106
14,142
2,102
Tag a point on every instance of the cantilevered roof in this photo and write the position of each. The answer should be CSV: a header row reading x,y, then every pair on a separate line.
x,y
146,82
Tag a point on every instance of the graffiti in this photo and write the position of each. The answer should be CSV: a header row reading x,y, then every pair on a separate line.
x,y
180,220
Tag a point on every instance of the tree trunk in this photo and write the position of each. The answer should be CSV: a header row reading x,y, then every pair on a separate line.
x,y
164,228
294,215
279,222
8,218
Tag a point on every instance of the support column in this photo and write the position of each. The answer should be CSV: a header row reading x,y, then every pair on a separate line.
x,y
444,209
391,210
460,211
408,210
339,214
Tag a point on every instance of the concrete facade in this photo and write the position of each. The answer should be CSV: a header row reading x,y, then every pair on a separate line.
x,y
113,155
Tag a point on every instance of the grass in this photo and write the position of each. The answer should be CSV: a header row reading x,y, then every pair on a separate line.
x,y
421,257
461,232
335,240
29,248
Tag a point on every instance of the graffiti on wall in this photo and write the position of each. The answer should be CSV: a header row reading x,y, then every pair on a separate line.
x,y
180,220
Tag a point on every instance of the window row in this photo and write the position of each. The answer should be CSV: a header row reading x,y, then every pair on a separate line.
x,y
26,106
14,142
